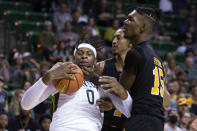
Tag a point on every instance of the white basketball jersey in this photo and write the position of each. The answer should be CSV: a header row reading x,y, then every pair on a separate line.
x,y
78,111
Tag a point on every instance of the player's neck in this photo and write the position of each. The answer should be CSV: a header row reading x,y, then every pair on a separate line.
x,y
139,39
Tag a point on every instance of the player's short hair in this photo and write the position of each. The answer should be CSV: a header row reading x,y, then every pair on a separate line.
x,y
95,41
45,116
152,14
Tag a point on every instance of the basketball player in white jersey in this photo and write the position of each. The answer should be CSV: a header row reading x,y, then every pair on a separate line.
x,y
78,111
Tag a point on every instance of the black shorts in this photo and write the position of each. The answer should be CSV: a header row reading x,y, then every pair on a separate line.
x,y
110,128
143,123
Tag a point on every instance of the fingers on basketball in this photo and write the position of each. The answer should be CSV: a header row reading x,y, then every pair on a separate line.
x,y
67,86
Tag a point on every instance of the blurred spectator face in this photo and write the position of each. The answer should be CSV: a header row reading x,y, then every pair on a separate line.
x,y
173,116
79,9
182,76
27,85
115,24
44,66
194,91
169,56
3,121
91,22
119,43
182,105
173,87
63,7
68,27
45,124
193,125
189,62
186,118
191,29
172,63
101,54
76,16
19,60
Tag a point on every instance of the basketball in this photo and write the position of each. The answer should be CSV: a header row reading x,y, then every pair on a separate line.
x,y
68,87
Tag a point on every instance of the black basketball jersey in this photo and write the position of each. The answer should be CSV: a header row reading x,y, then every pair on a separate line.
x,y
114,117
148,88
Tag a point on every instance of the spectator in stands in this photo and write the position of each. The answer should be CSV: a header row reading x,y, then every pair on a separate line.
x,y
4,68
67,33
192,126
61,51
20,76
181,77
171,121
184,120
193,100
76,23
166,5
189,36
83,17
182,105
87,32
173,88
47,40
18,60
95,30
118,12
45,121
14,106
189,68
23,121
181,6
3,96
103,13
109,33
171,67
44,66
61,16
3,121
27,57
26,85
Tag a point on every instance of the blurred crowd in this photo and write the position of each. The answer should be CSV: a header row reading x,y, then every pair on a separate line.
x,y
75,19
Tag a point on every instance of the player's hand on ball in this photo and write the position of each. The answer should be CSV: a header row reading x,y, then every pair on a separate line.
x,y
110,84
58,71
104,105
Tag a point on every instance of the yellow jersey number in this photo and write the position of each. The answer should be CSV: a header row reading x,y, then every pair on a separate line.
x,y
158,88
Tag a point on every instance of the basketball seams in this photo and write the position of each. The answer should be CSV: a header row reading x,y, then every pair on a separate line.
x,y
67,88
77,82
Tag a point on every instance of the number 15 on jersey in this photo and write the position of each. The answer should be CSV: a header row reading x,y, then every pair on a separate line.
x,y
158,88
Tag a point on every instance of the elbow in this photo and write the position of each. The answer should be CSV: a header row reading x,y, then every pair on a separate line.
x,y
25,105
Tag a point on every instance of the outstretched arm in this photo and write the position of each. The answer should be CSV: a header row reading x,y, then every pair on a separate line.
x,y
36,94
43,88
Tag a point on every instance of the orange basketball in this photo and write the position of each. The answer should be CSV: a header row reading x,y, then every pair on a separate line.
x,y
68,87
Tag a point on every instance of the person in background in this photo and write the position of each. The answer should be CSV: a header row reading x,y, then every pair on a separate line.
x,y
23,121
14,107
45,121
108,36
3,121
172,120
182,106
26,85
4,68
3,97
192,126
189,68
184,120
95,30
47,40
61,16
67,33
192,101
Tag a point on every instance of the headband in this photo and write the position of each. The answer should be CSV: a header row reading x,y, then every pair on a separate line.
x,y
86,45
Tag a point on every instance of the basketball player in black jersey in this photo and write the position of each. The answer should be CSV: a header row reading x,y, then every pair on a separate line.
x,y
143,74
113,119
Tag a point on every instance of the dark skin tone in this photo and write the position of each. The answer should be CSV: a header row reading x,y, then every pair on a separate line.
x,y
137,29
